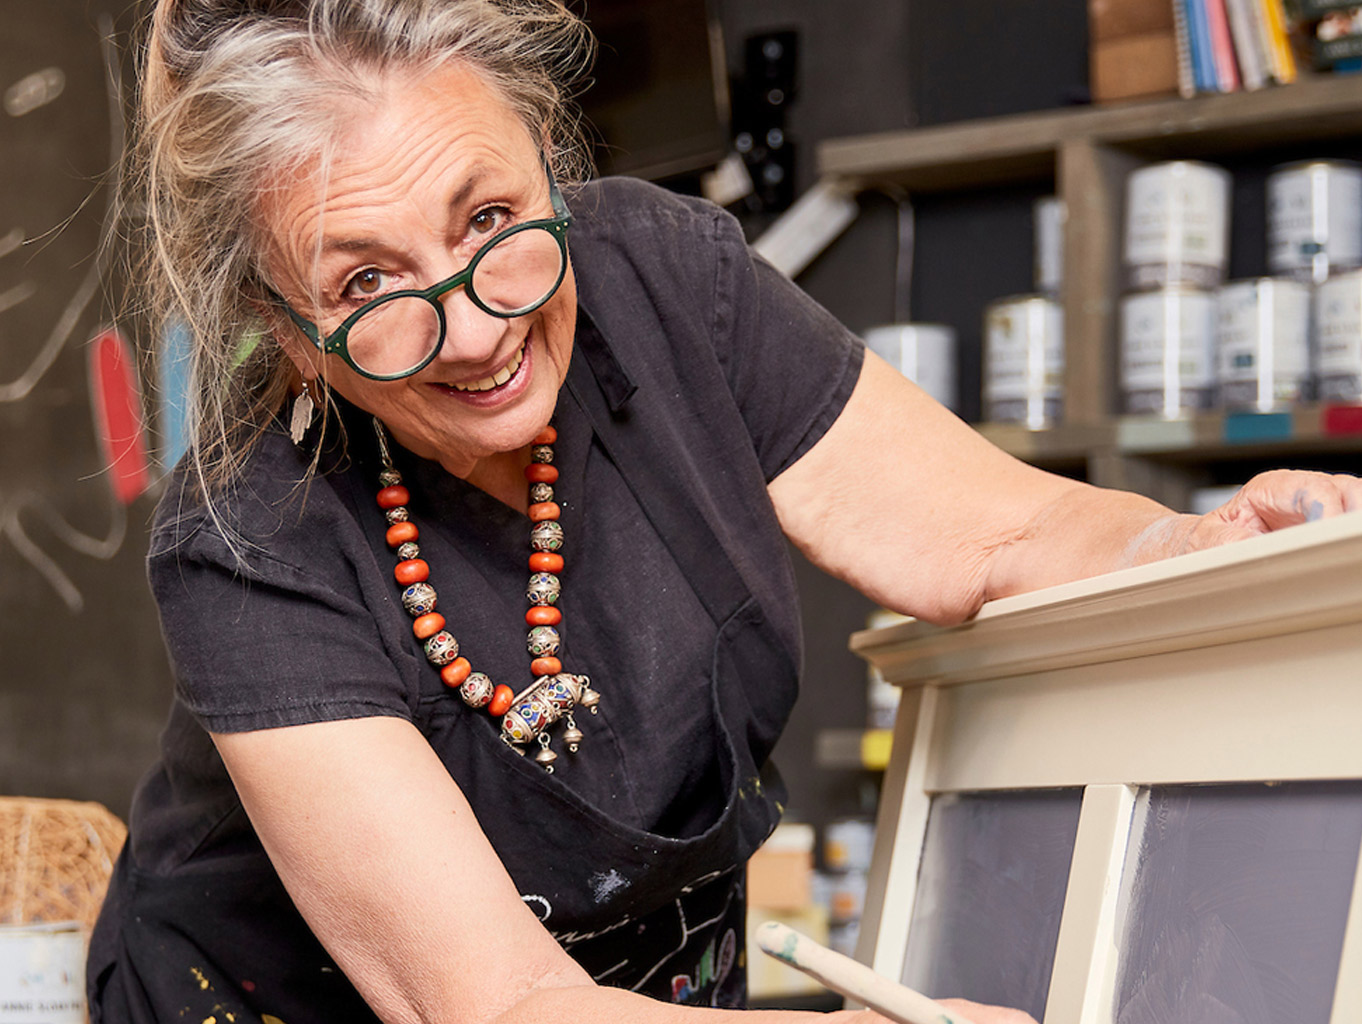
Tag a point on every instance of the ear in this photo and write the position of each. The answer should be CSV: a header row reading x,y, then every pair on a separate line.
x,y
286,334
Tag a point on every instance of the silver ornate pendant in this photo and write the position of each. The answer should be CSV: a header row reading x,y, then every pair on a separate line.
x,y
544,702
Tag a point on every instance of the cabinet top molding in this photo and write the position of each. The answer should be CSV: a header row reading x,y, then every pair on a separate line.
x,y
1026,147
1298,579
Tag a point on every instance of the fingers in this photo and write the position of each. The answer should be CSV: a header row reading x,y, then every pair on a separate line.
x,y
980,1013
1281,498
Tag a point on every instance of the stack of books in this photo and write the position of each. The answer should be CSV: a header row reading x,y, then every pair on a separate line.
x,y
1229,45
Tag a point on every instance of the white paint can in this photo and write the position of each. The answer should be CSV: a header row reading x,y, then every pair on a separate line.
x,y
1338,330
1049,216
1024,361
42,974
1263,337
1314,219
1177,225
1168,364
924,353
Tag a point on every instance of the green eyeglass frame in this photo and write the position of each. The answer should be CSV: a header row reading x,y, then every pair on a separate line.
x,y
336,342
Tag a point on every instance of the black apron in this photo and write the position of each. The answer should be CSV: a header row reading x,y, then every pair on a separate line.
x,y
658,914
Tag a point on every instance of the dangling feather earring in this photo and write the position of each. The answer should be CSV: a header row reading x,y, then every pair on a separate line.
x,y
301,417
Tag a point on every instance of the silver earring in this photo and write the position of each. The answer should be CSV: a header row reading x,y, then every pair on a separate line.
x,y
301,417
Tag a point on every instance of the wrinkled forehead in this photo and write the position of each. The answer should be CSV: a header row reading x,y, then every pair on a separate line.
x,y
401,145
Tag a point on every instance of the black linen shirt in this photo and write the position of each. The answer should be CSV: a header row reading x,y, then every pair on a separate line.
x,y
699,374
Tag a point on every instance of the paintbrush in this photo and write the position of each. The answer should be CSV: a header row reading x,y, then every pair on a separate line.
x,y
851,979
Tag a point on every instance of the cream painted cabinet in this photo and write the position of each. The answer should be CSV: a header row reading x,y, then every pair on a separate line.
x,y
1135,799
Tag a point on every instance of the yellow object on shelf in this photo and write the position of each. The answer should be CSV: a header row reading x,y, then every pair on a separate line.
x,y
875,744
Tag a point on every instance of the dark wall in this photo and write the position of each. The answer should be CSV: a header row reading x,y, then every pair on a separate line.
x,y
83,681
881,65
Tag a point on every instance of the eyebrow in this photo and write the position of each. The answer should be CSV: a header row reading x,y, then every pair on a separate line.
x,y
365,243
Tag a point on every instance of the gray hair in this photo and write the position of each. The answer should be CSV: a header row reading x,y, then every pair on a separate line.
x,y
233,93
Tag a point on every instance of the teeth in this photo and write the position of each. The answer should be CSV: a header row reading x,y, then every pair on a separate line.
x,y
497,379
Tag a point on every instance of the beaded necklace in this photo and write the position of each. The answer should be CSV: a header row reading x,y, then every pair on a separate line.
x,y
554,694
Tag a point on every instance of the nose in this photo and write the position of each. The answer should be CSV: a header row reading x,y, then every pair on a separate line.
x,y
472,335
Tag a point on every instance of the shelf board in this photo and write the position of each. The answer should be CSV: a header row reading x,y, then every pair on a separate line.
x,y
1024,147
1062,445
1315,428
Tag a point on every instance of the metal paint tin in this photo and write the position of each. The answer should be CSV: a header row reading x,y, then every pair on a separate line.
x,y
1314,219
1338,331
1049,215
1263,337
1168,364
1177,225
1024,361
924,353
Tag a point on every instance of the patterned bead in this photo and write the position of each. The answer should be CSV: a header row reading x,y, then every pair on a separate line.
x,y
543,615
515,728
547,536
389,478
442,648
544,588
542,453
546,436
401,533
543,640
419,599
391,497
477,690
408,550
541,492
397,515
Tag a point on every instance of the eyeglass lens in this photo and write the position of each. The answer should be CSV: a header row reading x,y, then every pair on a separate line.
x,y
514,275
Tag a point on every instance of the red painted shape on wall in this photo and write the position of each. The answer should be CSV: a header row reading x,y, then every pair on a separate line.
x,y
116,399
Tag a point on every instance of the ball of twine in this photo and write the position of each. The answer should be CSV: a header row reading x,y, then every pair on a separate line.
x,y
56,857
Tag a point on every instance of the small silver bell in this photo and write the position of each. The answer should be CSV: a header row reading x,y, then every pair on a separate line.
x,y
589,698
544,755
572,736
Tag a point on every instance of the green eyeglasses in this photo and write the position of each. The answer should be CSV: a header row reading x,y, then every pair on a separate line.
x,y
397,334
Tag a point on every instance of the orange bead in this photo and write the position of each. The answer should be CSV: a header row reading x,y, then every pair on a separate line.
x,y
391,497
546,436
400,533
546,561
546,666
501,701
543,615
426,626
456,672
413,570
542,510
540,473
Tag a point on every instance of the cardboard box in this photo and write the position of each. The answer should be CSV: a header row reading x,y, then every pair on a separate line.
x,y
1117,19
1134,66
780,874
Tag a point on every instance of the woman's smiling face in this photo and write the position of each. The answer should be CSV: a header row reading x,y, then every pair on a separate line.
x,y
417,186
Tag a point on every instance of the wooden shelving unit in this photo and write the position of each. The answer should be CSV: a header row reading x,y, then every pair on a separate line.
x,y
1087,153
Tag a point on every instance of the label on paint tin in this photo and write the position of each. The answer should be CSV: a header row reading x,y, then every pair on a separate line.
x,y
42,974
1024,361
1263,340
1338,325
924,353
1168,360
1177,225
1314,219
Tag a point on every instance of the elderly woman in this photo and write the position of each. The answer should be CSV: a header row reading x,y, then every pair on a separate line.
x,y
399,782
